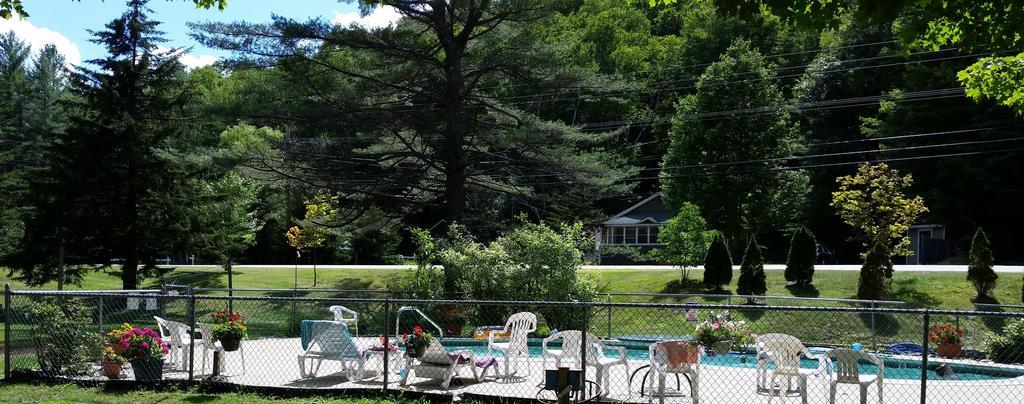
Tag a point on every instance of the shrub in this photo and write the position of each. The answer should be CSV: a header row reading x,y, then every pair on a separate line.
x,y
803,252
686,239
752,277
1008,347
980,271
872,275
63,345
717,263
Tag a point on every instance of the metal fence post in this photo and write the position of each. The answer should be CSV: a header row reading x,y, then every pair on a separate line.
x,y
192,330
608,307
7,331
924,357
387,340
99,322
583,345
874,333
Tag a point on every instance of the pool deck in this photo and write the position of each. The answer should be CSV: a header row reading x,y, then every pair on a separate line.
x,y
272,362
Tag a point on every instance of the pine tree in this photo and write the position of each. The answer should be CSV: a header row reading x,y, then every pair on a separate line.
x,y
717,263
752,277
872,274
980,271
803,252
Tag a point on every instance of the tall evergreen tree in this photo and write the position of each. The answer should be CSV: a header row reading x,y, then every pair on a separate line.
x,y
752,277
979,270
717,263
14,54
803,252
872,283
106,198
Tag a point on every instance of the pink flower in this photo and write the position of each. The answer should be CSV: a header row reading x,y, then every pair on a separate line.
x,y
716,326
125,343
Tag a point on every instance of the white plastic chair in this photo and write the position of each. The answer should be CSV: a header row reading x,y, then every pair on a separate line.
x,y
346,315
785,352
570,351
178,338
330,340
847,371
517,327
665,360
437,363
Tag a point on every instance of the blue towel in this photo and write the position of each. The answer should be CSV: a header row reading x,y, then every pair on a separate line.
x,y
306,331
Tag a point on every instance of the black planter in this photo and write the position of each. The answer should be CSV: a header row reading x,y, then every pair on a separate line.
x,y
148,370
413,352
230,344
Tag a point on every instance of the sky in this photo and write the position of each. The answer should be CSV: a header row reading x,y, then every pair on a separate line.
x,y
65,23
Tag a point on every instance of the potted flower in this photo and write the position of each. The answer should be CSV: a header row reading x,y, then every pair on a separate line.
x,y
948,340
145,351
720,334
111,362
229,329
416,342
115,336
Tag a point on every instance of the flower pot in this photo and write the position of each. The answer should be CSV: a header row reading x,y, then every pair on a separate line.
x,y
116,347
111,369
413,352
230,344
948,350
722,347
149,369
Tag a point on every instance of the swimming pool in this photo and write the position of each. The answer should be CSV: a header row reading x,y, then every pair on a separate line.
x,y
895,368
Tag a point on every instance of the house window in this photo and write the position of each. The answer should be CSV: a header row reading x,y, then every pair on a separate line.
x,y
653,239
617,235
630,235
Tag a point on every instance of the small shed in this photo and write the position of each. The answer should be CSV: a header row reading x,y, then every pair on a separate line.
x,y
928,242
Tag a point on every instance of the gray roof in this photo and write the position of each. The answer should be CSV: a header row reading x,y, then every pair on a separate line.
x,y
651,210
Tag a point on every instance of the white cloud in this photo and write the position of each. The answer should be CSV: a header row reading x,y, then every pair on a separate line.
x,y
189,60
38,37
380,17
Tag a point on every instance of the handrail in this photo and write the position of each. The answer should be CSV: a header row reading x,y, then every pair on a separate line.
x,y
398,317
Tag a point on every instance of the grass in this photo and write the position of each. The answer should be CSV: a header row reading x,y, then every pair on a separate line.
x,y
69,393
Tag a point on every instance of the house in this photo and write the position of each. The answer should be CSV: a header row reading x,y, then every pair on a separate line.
x,y
638,226
928,242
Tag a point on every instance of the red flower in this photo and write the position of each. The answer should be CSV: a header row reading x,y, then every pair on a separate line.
x,y
417,330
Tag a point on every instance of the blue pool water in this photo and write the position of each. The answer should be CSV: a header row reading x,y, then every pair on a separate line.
x,y
895,368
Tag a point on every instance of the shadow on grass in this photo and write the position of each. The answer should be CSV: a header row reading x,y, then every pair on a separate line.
x,y
995,324
803,290
212,279
885,325
906,290
754,313
687,286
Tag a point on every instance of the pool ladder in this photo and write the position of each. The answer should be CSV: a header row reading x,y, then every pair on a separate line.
x,y
398,319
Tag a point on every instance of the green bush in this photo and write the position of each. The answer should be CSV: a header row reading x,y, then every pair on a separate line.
x,y
803,252
752,277
63,345
980,271
686,239
717,263
872,274
1008,347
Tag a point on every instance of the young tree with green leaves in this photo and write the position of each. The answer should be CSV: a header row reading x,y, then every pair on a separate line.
x,y
803,252
872,284
979,270
686,238
717,264
321,211
752,277
875,203
698,167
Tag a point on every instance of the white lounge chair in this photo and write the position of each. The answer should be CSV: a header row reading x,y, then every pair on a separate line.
x,y
438,363
672,357
785,352
570,351
517,327
324,340
178,338
847,371
348,316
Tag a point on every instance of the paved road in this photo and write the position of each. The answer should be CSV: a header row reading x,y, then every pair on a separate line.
x,y
770,267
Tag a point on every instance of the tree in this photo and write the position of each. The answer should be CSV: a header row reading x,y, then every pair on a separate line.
x,y
877,267
980,271
113,189
14,88
421,107
686,238
875,204
699,164
803,252
12,8
717,263
752,277
320,212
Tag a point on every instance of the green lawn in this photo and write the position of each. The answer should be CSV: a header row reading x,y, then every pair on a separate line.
x,y
68,393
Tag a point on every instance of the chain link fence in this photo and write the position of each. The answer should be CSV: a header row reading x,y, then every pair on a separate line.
x,y
617,350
